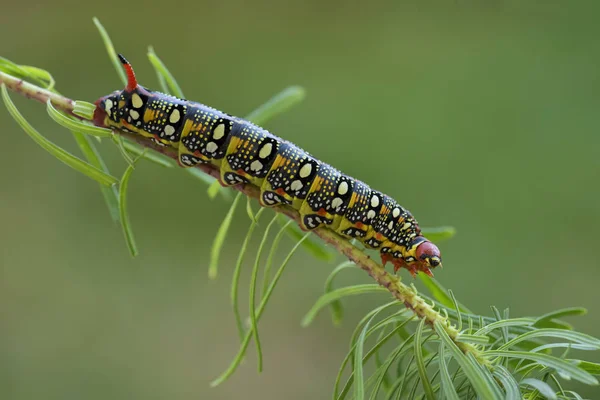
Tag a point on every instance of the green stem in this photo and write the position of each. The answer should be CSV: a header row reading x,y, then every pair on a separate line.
x,y
40,94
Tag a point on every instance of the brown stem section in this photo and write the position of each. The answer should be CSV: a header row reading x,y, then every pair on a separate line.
x,y
400,291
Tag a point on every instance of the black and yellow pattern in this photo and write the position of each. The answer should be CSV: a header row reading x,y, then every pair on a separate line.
x,y
286,175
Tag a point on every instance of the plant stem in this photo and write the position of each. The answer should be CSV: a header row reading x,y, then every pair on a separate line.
x,y
40,94
392,283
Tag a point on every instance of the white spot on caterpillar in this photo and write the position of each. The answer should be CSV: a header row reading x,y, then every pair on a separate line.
x,y
175,115
265,151
136,100
406,226
211,147
296,185
374,201
391,225
343,188
219,131
256,165
396,212
305,170
337,203
169,130
134,114
108,106
371,214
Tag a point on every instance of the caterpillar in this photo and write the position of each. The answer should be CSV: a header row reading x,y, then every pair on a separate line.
x,y
245,153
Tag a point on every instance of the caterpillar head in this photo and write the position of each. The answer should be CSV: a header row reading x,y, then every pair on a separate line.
x,y
428,254
422,255
121,109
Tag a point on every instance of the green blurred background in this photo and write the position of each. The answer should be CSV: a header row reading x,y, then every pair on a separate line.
x,y
476,114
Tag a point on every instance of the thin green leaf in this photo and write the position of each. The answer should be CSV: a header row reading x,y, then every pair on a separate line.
x,y
214,189
555,323
413,391
110,193
204,177
563,312
510,385
562,366
118,141
41,75
274,246
383,378
277,104
367,317
112,54
504,329
505,322
382,372
84,109
249,209
574,394
464,338
62,155
481,383
338,294
439,233
167,81
541,387
447,386
592,368
252,301
236,274
316,248
151,156
217,245
557,384
10,67
440,293
76,125
457,308
127,231
353,340
209,180
359,389
240,355
420,361
406,377
337,310
358,346
34,75
575,337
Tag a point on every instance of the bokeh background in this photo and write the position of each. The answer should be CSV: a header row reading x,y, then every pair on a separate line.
x,y
478,114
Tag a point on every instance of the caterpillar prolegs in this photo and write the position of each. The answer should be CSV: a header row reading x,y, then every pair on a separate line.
x,y
285,174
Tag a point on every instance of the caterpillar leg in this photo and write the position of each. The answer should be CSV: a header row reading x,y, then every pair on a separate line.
x,y
189,160
229,178
402,258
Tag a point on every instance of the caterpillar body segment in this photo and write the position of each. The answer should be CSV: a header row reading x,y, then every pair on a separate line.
x,y
205,136
290,178
246,153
